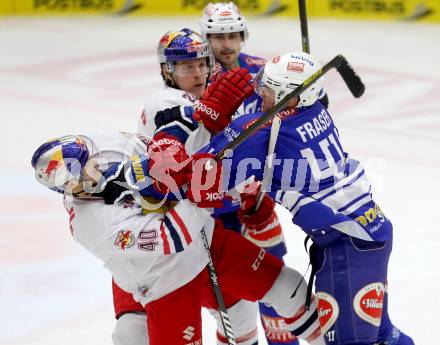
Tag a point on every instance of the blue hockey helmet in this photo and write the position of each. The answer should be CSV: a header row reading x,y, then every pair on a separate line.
x,y
59,161
183,45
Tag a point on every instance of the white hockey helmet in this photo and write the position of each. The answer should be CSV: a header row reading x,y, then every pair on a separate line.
x,y
219,18
284,73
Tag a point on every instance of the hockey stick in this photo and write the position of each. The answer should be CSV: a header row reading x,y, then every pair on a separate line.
x,y
351,79
304,29
268,171
224,317
306,43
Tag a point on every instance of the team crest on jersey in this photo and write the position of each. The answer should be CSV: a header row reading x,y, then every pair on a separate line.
x,y
368,303
295,66
125,239
328,310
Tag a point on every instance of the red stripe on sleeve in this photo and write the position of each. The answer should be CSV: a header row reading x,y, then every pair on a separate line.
x,y
182,226
163,235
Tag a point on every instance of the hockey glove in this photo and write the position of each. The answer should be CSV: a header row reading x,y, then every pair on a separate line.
x,y
222,99
263,226
168,163
126,178
204,181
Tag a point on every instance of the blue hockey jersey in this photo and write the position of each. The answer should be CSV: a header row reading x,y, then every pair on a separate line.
x,y
326,191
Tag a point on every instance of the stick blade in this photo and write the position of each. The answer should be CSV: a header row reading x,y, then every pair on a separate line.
x,y
353,81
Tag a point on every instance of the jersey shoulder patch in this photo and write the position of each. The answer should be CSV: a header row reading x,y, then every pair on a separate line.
x,y
254,60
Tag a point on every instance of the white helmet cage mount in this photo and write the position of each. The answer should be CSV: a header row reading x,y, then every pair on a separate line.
x,y
286,72
220,18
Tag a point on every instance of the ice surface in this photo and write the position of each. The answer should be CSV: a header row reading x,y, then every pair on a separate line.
x,y
60,76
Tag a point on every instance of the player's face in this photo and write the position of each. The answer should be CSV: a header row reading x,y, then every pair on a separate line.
x,y
226,48
191,76
268,96
74,187
82,186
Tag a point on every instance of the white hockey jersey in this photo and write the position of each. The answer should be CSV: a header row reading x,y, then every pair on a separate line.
x,y
148,255
167,97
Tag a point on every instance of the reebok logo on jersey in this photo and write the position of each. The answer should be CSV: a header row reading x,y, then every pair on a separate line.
x,y
368,303
212,196
124,239
328,310
164,141
208,111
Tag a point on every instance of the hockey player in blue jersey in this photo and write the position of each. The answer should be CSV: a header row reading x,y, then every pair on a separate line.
x,y
330,199
226,30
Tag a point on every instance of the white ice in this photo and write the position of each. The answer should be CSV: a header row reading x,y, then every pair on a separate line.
x,y
60,76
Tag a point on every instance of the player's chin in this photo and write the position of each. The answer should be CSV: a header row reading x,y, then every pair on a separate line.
x,y
198,90
228,58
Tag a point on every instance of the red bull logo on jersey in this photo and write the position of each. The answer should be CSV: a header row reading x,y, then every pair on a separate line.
x,y
368,303
124,239
328,310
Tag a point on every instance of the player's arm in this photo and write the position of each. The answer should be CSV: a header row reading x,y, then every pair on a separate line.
x,y
176,121
159,173
222,98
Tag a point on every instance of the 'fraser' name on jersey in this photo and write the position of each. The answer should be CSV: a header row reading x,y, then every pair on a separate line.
x,y
319,124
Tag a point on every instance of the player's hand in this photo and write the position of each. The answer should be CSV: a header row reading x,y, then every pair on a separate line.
x,y
204,181
262,226
168,163
222,99
252,219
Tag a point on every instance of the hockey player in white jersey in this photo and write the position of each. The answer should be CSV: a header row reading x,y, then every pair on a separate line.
x,y
159,257
186,62
184,70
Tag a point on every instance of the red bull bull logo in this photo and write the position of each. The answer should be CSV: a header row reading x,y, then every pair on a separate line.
x,y
124,239
55,161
